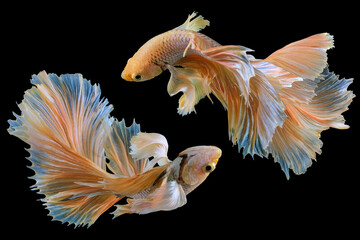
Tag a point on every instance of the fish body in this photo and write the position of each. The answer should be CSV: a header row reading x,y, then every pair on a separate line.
x,y
278,105
86,161
166,49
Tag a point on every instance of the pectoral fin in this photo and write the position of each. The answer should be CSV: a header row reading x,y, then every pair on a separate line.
x,y
192,83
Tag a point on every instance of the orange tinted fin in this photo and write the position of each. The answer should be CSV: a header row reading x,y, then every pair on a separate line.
x,y
234,65
331,99
81,211
306,58
147,145
254,108
190,81
128,186
63,120
279,77
296,143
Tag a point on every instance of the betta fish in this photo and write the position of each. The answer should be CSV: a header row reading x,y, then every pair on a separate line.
x,y
278,105
86,161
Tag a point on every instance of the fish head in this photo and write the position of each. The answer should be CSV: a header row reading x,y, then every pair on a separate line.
x,y
200,161
138,69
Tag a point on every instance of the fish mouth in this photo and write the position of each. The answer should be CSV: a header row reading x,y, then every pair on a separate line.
x,y
216,154
126,76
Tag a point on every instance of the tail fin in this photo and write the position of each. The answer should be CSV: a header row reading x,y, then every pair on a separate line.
x,y
313,103
296,143
65,122
306,58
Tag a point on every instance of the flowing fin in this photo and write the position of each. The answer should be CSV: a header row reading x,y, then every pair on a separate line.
x,y
254,108
306,58
69,130
279,77
146,145
294,146
330,101
81,211
129,186
196,24
278,105
288,85
234,64
191,83
296,143
117,149
133,175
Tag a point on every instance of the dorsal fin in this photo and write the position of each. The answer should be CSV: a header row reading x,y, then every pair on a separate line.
x,y
196,24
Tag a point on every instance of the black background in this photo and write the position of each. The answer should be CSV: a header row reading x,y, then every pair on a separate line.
x,y
243,196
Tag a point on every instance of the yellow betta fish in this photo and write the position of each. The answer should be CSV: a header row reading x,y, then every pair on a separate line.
x,y
85,161
278,105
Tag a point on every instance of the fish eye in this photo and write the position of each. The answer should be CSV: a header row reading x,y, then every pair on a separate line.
x,y
208,168
137,77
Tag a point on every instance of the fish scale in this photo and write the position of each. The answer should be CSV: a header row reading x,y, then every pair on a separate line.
x,y
169,47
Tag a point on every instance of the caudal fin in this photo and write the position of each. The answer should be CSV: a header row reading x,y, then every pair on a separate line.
x,y
314,99
305,58
63,120
66,123
295,144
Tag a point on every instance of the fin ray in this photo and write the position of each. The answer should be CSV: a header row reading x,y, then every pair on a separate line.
x,y
306,58
146,145
117,150
297,142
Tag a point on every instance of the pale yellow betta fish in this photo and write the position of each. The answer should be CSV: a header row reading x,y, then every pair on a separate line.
x,y
85,161
278,105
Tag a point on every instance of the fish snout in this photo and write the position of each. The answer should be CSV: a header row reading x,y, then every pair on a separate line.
x,y
215,154
126,76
